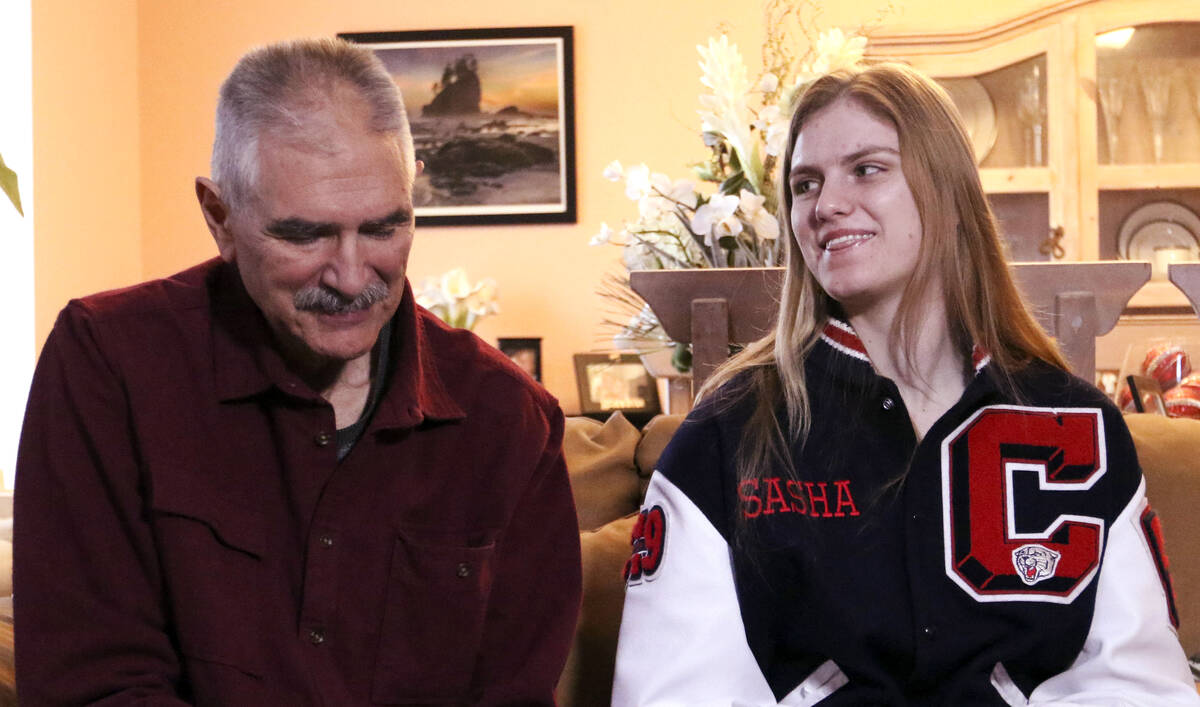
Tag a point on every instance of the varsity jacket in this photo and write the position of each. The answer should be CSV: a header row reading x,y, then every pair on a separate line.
x,y
1007,558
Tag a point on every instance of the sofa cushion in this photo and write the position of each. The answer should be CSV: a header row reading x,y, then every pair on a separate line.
x,y
587,679
655,436
1169,452
600,462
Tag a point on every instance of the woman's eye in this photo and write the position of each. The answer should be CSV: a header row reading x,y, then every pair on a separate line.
x,y
866,170
803,186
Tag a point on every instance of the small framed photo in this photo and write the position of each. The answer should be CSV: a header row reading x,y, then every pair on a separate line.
x,y
611,382
1146,395
526,353
492,113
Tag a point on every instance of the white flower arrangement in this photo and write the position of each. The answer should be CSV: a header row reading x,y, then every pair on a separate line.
x,y
680,225
456,301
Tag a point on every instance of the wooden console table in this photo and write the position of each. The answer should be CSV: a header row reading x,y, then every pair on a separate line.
x,y
711,308
1074,302
1186,277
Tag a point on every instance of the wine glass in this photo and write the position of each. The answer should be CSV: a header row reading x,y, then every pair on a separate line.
x,y
1195,79
1032,113
1156,89
1112,103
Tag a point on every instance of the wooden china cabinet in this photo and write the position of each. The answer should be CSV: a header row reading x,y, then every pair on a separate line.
x,y
1085,120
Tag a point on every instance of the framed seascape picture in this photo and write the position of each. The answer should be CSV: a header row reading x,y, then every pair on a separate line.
x,y
493,118
526,353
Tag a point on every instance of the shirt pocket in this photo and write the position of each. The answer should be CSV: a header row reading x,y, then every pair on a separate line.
x,y
211,555
433,620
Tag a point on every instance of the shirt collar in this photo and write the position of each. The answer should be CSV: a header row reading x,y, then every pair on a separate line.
x,y
246,362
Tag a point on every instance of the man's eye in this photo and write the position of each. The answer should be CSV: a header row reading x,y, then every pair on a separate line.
x,y
378,232
299,238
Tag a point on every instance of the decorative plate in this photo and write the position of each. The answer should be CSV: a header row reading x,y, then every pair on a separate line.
x,y
978,113
1156,225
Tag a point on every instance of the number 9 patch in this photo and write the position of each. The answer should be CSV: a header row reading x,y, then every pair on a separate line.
x,y
649,543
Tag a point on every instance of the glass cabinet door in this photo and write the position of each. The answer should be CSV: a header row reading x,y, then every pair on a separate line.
x,y
1148,94
1148,144
1004,112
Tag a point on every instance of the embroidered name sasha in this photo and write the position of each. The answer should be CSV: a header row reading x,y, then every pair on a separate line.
x,y
818,499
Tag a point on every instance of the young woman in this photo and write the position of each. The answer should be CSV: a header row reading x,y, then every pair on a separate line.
x,y
900,496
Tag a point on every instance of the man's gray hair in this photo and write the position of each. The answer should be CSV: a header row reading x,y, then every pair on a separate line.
x,y
272,85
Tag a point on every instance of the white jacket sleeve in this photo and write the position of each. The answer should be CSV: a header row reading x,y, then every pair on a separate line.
x,y
682,640
1131,656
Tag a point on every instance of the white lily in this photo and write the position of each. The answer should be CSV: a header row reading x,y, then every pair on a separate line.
x,y
604,236
837,51
764,222
431,295
613,172
777,134
768,83
729,226
455,284
718,209
637,182
454,300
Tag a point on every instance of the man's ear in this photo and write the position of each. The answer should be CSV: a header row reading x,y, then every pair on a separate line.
x,y
216,215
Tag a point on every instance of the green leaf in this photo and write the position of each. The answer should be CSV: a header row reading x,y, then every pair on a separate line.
x,y
734,183
704,173
735,161
8,182
682,358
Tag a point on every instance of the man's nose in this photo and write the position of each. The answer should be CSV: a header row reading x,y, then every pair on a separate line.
x,y
346,270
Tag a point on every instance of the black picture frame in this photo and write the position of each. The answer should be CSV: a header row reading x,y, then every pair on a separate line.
x,y
513,162
526,353
608,382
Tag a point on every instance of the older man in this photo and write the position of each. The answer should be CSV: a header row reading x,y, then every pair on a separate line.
x,y
272,479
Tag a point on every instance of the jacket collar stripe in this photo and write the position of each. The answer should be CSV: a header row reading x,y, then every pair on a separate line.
x,y
841,337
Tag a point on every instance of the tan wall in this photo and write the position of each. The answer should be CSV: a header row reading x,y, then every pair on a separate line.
x,y
114,183
87,172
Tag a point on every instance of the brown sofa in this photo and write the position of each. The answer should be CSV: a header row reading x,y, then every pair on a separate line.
x,y
610,465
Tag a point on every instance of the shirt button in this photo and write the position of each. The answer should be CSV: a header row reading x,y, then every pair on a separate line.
x,y
323,439
464,570
316,636
888,403
326,540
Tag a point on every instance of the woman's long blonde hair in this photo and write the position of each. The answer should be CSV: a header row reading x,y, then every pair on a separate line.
x,y
960,248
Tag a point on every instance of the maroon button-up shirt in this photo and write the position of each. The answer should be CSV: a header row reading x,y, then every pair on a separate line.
x,y
185,532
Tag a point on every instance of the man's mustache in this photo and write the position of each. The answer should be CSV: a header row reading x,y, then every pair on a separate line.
x,y
326,301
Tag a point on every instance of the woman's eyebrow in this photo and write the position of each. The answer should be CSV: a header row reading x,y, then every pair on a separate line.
x,y
868,150
847,159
